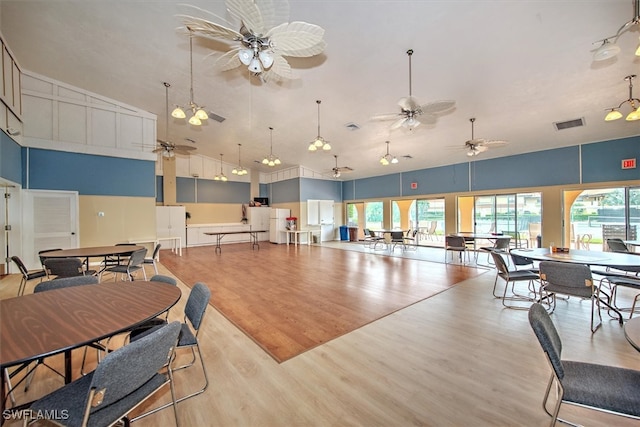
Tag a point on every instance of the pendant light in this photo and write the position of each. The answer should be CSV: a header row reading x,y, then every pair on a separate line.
x,y
319,142
271,160
388,158
197,112
222,177
239,170
615,114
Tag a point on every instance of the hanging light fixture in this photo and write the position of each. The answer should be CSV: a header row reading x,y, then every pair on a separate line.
x,y
239,170
388,158
615,114
609,48
271,160
222,177
197,112
319,142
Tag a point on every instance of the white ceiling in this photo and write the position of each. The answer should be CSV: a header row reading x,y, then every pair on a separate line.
x,y
516,66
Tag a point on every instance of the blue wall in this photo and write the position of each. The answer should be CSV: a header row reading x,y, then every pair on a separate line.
x,y
89,174
102,175
10,159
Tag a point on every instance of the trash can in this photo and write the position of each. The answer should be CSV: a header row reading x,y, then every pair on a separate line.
x,y
344,232
353,234
539,240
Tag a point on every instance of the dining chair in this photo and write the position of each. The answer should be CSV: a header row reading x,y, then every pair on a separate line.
x,y
154,258
608,389
42,254
123,380
617,245
500,246
397,238
373,239
134,264
65,267
456,244
510,278
571,280
194,312
26,274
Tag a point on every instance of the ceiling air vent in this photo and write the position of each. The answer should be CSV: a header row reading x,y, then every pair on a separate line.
x,y
569,124
216,117
352,126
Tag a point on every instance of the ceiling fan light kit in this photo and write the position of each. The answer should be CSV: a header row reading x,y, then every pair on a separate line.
x,y
609,49
197,112
410,109
265,37
271,160
475,146
319,142
615,114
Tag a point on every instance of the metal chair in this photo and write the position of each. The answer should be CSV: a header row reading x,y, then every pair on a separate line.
x,y
617,245
455,244
512,277
65,267
572,280
194,311
134,264
154,258
602,388
397,238
373,239
500,246
123,380
26,274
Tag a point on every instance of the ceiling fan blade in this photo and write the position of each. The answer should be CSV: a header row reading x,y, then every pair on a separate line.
x,y
165,144
208,28
428,119
184,148
386,117
229,60
159,150
481,148
495,143
249,13
409,103
437,106
279,71
398,123
299,39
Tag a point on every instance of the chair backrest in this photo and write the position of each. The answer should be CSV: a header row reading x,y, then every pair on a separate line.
x,y
63,267
432,227
65,282
502,243
617,245
566,275
548,336
155,251
137,257
397,236
23,268
164,279
122,372
519,260
456,242
42,254
197,304
500,263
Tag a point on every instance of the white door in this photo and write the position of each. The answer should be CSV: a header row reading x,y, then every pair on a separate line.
x,y
50,221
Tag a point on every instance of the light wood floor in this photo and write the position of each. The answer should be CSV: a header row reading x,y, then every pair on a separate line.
x,y
455,359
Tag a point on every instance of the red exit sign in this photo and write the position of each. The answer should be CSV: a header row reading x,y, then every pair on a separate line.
x,y
628,163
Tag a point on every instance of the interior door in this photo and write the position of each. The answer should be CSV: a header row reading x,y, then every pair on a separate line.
x,y
50,221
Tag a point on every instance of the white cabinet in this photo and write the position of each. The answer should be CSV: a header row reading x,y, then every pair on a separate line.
x,y
259,220
171,222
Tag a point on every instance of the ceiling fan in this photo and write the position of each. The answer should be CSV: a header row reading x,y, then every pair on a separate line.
x,y
166,147
265,37
475,146
337,171
410,109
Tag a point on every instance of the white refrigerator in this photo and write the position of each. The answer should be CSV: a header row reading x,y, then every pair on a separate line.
x,y
278,225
